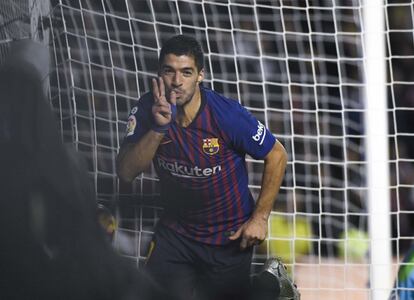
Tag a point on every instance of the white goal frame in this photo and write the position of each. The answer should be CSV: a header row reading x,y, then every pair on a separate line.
x,y
376,124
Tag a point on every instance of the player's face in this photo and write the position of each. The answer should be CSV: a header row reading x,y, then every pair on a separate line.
x,y
180,74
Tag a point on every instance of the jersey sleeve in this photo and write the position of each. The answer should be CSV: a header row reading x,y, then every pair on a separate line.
x,y
139,120
247,134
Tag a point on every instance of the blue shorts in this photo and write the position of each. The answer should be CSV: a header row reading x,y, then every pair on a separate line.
x,y
192,270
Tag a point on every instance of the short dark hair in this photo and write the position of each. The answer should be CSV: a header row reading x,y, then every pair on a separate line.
x,y
183,45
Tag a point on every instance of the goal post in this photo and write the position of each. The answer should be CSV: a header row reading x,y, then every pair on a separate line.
x,y
376,123
309,71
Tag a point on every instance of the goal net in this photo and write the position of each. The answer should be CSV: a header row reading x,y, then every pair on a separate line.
x,y
19,20
298,66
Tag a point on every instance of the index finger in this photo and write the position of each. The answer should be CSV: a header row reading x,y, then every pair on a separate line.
x,y
155,89
161,86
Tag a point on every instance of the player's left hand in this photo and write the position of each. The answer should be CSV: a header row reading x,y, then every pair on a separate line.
x,y
251,233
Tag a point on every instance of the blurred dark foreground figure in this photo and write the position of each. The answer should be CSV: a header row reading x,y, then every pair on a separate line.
x,y
52,246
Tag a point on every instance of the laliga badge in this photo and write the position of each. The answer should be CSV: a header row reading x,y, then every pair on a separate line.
x,y
134,110
211,146
132,123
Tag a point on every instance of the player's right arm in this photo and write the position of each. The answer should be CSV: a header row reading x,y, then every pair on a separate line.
x,y
134,157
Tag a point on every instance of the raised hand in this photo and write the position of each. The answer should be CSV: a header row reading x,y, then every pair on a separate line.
x,y
163,111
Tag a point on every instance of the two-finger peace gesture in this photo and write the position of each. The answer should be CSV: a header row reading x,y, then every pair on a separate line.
x,y
163,111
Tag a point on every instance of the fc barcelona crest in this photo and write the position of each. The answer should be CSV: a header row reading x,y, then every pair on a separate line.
x,y
211,146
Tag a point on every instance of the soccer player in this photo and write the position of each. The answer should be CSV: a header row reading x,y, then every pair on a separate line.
x,y
197,140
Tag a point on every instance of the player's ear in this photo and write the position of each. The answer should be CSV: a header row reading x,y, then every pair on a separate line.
x,y
200,75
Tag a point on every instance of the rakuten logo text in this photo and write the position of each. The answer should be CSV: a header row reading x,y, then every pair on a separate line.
x,y
179,170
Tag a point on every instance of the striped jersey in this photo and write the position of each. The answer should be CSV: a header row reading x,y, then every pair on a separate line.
x,y
202,169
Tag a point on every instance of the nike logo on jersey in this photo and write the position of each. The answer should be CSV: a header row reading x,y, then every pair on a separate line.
x,y
180,170
260,134
165,141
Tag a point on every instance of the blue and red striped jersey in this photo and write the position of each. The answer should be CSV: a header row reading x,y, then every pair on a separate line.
x,y
202,168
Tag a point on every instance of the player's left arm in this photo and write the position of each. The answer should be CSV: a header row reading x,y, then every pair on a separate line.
x,y
255,229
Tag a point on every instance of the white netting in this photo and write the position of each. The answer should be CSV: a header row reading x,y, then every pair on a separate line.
x,y
298,66
20,19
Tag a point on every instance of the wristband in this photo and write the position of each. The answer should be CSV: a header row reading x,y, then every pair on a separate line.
x,y
164,128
